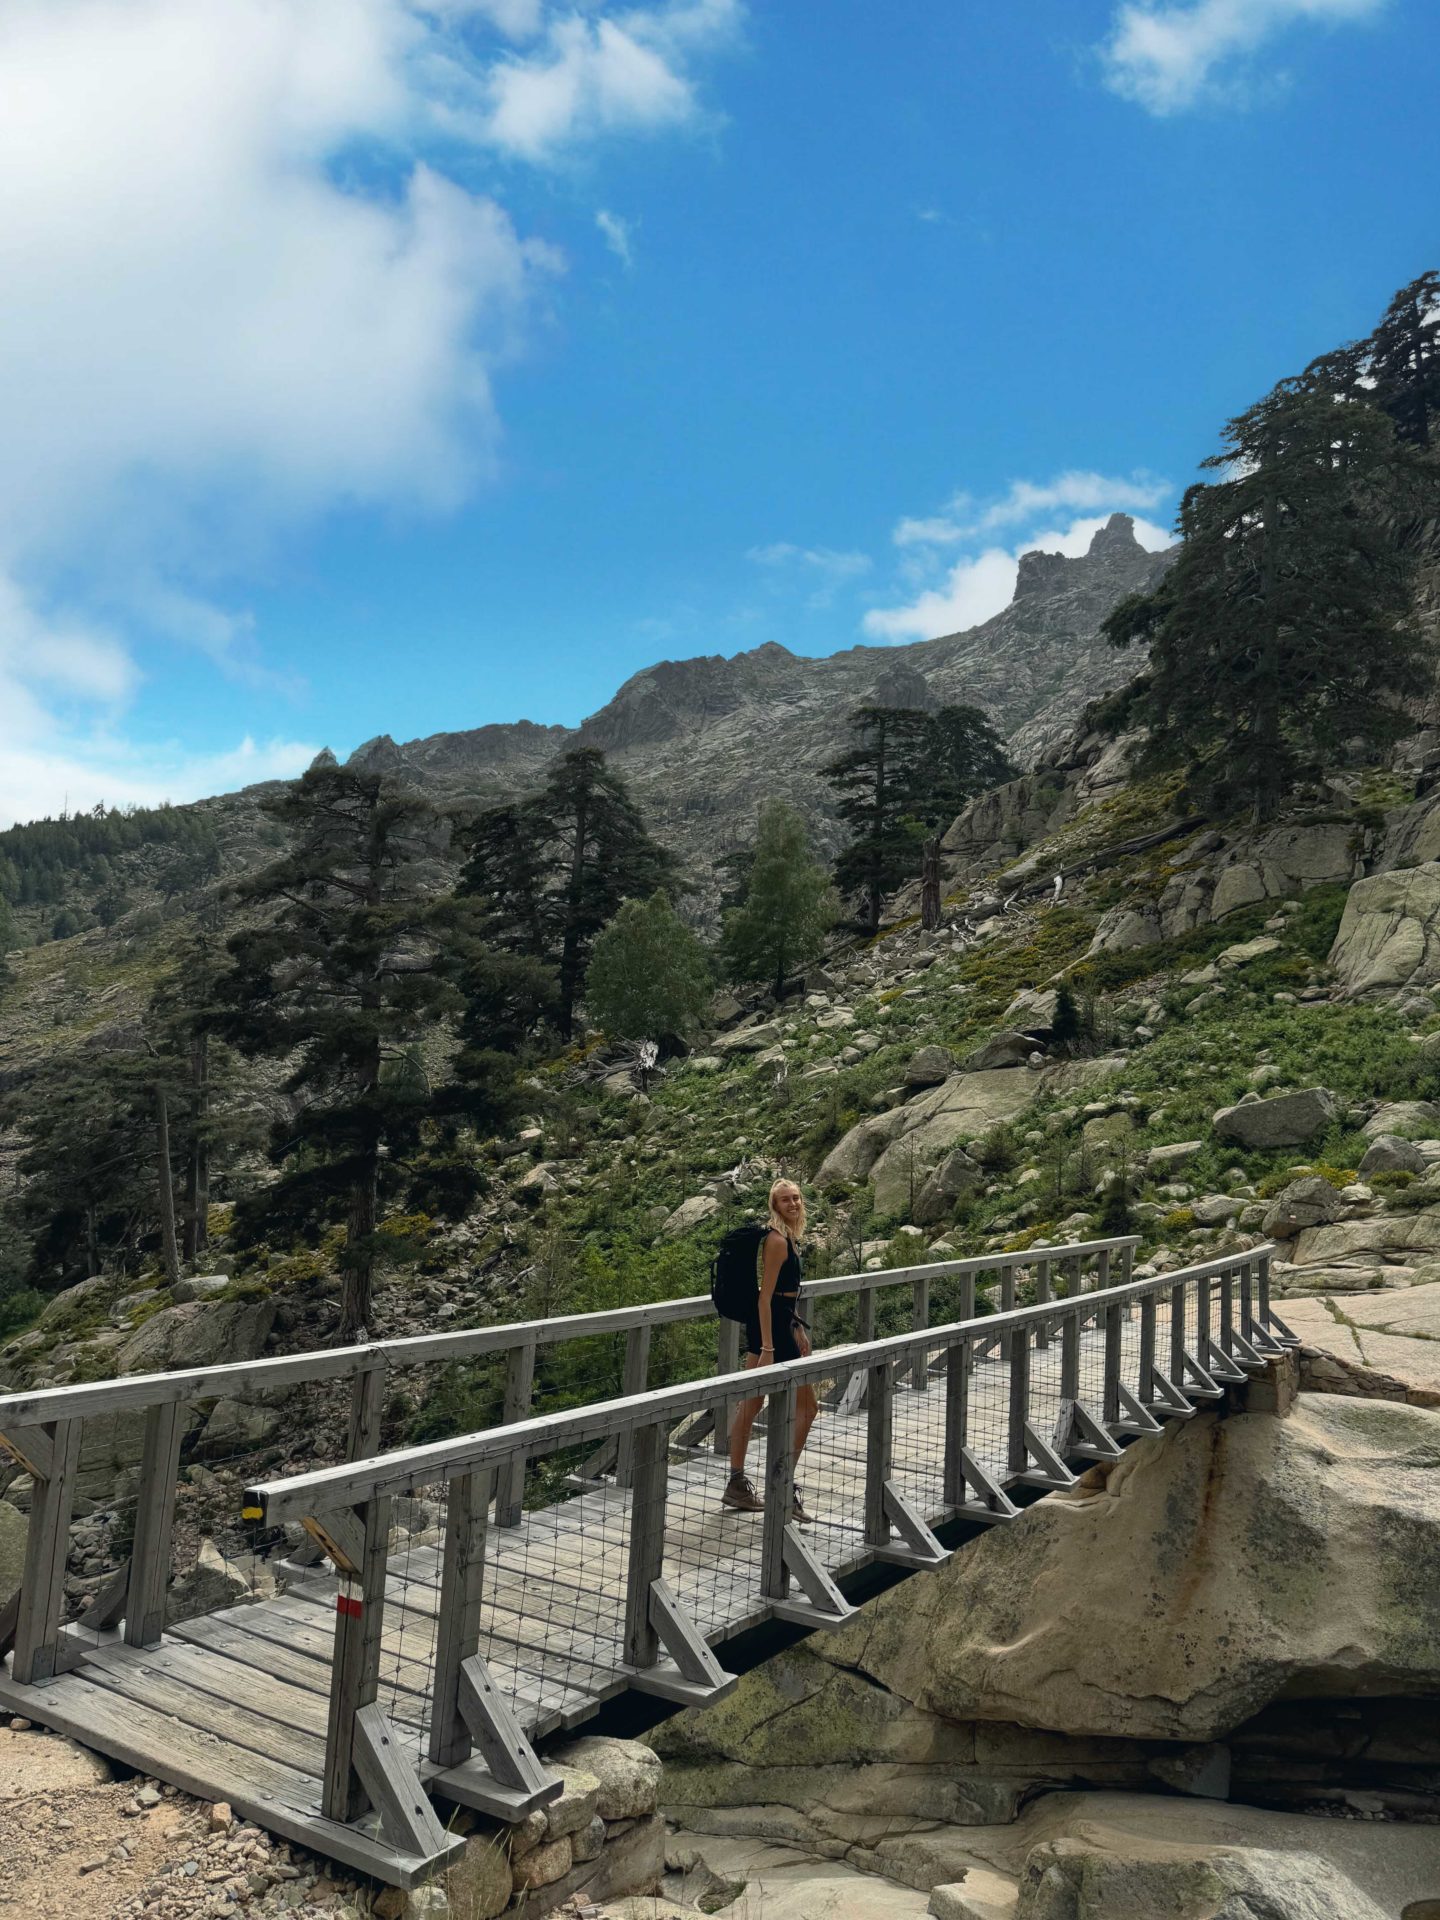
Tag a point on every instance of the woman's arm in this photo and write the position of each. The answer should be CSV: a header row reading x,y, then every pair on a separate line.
x,y
775,1251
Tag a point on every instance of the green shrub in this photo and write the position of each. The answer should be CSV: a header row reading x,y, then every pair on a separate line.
x,y
1178,1220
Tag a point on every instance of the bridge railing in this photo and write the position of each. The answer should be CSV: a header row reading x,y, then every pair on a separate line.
x,y
1013,1400
136,1427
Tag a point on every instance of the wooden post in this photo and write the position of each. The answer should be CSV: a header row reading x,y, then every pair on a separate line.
x,y
519,1390
1227,1309
1263,1287
1070,1355
1111,1321
649,1474
1202,1320
47,1546
1147,1349
957,1417
779,1492
457,1632
919,1321
1007,1305
633,1380
1042,1296
728,1359
1177,1336
1247,1302
865,1315
355,1665
1017,1451
1102,1269
154,1524
879,1432
367,1406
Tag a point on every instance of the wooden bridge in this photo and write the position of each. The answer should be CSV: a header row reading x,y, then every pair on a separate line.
x,y
478,1592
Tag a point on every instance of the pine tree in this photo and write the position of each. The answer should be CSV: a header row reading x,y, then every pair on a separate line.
x,y
1282,633
648,976
1402,359
344,975
877,782
552,871
788,904
963,756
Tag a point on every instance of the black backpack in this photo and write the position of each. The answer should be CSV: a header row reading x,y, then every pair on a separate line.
x,y
734,1272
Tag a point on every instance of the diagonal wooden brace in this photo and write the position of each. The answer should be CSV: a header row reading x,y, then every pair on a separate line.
x,y
1169,1402
342,1537
1201,1384
1135,1416
512,1782
1047,1469
992,1502
1248,1357
32,1447
824,1604
692,1676
1276,1326
1221,1366
407,1819
1078,1431
917,1546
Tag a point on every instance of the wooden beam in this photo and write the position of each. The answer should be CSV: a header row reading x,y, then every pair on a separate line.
x,y
519,1392
154,1524
47,1547
634,1379
355,1668
393,1787
457,1633
646,1560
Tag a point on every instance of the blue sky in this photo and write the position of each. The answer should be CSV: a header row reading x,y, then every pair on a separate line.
x,y
370,365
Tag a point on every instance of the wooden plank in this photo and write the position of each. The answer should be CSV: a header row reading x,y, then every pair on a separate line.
x,y
244,1726
154,1524
271,1794
47,1545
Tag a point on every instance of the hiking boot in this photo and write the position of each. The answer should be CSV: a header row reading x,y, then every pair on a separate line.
x,y
740,1494
797,1510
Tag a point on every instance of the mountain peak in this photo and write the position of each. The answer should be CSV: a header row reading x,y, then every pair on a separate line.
x,y
1116,536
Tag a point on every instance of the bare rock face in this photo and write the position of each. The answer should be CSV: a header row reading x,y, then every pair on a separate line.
x,y
1383,1345
1389,937
1284,1120
1246,1558
1310,1201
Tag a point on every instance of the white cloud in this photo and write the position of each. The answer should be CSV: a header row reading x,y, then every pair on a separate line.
x,y
597,74
616,233
239,299
75,776
981,583
1076,490
1169,57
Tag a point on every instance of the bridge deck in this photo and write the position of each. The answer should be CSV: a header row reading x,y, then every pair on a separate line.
x,y
456,1629
233,1705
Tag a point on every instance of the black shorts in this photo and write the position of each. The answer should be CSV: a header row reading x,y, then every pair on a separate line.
x,y
782,1328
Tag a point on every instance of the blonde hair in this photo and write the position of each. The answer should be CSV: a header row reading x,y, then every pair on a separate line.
x,y
777,1221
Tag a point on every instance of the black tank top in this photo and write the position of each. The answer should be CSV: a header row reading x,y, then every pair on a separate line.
x,y
787,1281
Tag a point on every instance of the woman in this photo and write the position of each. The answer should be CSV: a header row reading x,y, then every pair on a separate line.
x,y
774,1334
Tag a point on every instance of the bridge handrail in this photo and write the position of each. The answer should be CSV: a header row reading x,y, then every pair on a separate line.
x,y
296,1496
224,1381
